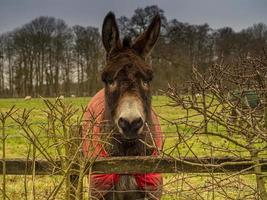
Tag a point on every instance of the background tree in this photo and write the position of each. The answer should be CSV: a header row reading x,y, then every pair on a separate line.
x,y
47,57
89,58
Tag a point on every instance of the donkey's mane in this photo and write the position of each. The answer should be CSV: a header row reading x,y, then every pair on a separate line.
x,y
127,42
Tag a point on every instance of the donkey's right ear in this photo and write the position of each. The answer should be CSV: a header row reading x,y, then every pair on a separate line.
x,y
110,33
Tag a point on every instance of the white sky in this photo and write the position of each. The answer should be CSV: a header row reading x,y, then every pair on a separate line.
x,y
237,14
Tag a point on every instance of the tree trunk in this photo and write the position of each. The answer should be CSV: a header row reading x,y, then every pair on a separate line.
x,y
2,81
10,76
78,71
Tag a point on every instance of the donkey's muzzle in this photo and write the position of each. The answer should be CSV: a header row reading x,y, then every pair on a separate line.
x,y
130,128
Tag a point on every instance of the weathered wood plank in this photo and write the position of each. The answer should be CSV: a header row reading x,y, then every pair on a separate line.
x,y
21,167
133,165
124,165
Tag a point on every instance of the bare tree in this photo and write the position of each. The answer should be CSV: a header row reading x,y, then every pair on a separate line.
x,y
46,57
230,101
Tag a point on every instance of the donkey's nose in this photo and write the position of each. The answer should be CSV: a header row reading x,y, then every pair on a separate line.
x,y
130,128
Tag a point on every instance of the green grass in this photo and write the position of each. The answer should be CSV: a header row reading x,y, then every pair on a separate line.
x,y
38,116
18,147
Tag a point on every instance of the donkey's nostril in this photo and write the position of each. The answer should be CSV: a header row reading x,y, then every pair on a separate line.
x,y
137,123
123,124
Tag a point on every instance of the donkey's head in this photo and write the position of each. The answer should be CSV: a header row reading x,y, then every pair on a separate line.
x,y
127,77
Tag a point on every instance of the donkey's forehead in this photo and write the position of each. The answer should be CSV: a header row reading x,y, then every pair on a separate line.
x,y
125,55
128,61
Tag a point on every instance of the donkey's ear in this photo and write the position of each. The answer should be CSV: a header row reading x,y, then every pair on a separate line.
x,y
110,32
146,41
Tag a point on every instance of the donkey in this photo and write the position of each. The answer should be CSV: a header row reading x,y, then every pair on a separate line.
x,y
125,106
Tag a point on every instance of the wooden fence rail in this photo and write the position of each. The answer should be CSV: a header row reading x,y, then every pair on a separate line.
x,y
125,165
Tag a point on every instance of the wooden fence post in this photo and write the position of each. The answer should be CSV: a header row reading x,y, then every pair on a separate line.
x,y
76,181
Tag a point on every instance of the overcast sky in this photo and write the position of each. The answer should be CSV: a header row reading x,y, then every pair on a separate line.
x,y
237,14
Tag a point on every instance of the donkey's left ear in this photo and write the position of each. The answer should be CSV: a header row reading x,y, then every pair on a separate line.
x,y
146,41
110,33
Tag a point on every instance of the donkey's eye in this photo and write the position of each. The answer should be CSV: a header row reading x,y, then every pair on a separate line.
x,y
112,84
109,81
145,84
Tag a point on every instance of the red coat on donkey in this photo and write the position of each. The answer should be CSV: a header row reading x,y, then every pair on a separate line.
x,y
93,148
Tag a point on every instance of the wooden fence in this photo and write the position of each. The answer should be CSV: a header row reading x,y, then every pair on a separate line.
x,y
127,165
137,164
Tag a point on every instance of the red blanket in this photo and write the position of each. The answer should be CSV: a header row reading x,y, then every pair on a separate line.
x,y
92,147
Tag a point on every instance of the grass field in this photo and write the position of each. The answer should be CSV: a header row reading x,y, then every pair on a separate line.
x,y
180,186
37,116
